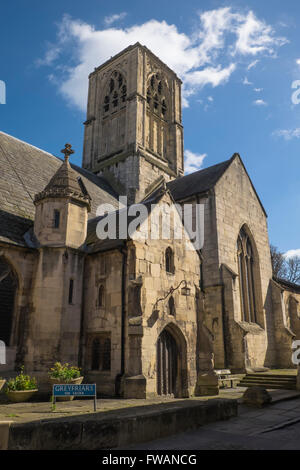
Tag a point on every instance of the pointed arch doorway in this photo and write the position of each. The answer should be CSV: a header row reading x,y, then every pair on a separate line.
x,y
171,363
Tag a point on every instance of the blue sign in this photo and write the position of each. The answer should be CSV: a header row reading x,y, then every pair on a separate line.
x,y
68,390
82,390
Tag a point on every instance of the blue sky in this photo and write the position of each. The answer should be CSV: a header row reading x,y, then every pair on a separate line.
x,y
237,59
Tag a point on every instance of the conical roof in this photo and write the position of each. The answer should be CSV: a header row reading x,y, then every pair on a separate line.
x,y
65,183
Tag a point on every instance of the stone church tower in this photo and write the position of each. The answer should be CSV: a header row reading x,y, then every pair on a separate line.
x,y
133,132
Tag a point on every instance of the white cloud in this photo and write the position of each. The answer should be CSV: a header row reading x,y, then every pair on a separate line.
x,y
260,103
202,58
255,36
246,81
109,20
193,161
292,253
50,56
252,64
288,134
210,98
258,90
210,75
298,61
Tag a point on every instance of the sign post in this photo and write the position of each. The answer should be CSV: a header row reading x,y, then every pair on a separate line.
x,y
82,390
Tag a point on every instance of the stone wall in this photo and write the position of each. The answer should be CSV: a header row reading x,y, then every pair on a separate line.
x,y
149,315
23,264
55,313
237,206
103,269
287,323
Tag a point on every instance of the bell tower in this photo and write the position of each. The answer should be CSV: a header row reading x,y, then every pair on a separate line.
x,y
133,132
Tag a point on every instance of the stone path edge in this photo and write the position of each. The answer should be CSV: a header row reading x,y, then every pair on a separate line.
x,y
97,431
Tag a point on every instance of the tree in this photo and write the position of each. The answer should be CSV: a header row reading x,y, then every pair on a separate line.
x,y
293,269
285,268
278,262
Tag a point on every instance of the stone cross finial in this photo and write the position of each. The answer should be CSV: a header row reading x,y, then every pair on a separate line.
x,y
67,151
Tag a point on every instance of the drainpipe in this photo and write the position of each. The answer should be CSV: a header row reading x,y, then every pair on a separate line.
x,y
123,251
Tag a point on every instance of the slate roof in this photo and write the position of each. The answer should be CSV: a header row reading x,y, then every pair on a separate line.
x,y
290,286
202,181
198,182
25,171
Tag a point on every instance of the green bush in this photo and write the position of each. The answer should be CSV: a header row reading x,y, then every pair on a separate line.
x,y
64,372
21,382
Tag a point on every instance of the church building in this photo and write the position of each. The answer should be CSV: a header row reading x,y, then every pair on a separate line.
x,y
141,317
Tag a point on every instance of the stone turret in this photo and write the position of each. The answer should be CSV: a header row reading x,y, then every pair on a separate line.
x,y
62,208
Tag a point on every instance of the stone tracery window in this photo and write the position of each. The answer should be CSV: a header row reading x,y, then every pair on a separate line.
x,y
155,96
116,93
246,261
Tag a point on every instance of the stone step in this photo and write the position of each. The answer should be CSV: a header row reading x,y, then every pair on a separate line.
x,y
272,376
269,381
292,381
267,386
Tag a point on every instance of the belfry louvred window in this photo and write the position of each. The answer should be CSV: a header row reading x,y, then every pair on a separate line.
x,y
116,93
246,277
155,96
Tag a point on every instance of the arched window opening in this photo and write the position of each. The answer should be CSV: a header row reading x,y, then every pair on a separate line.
x,y
101,296
116,93
115,99
111,85
172,306
106,103
123,91
148,96
101,353
155,98
8,289
247,277
170,268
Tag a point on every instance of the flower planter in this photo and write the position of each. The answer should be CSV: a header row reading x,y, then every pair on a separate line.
x,y
2,382
60,381
18,396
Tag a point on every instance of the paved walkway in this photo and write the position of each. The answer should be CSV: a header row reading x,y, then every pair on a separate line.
x,y
276,426
33,411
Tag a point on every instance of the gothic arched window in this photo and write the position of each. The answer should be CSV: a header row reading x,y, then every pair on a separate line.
x,y
8,290
247,277
155,96
169,259
116,93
